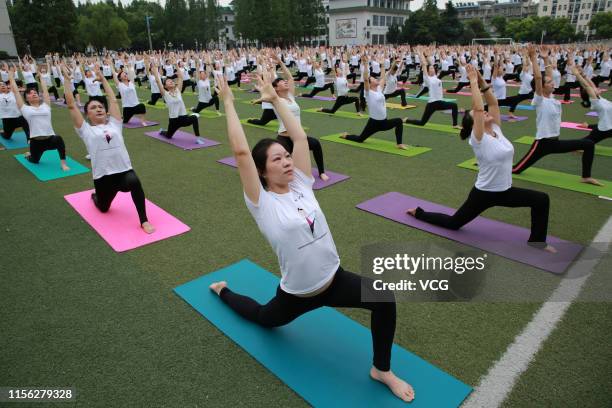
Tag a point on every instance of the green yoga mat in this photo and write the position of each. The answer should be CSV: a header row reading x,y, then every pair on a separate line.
x,y
555,179
271,126
323,355
599,150
158,105
435,126
209,114
339,113
426,98
49,166
379,145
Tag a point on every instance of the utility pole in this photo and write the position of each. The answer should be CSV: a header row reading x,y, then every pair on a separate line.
x,y
148,18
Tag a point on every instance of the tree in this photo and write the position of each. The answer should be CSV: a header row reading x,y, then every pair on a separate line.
x,y
420,27
135,15
393,34
474,28
602,24
112,34
450,30
499,23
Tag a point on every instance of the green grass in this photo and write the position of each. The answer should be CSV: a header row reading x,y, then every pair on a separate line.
x,y
75,313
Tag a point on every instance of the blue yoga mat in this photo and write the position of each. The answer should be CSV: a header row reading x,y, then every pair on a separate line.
x,y
323,355
49,166
18,140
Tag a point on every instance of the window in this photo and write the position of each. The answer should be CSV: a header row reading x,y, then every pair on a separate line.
x,y
368,4
368,23
389,21
226,30
376,3
375,21
367,34
545,8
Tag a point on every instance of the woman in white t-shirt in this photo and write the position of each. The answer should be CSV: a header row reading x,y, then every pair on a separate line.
x,y
10,114
111,167
320,84
494,183
267,110
605,70
463,79
155,94
206,95
278,193
391,90
377,110
37,113
548,123
129,98
603,129
285,88
177,113
342,89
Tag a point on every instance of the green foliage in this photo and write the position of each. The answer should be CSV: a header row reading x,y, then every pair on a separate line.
x,y
474,28
112,34
500,23
393,34
602,23
450,30
531,28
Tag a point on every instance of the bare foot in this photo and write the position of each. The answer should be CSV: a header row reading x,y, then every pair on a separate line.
x,y
590,180
457,127
26,154
147,227
551,249
217,286
320,110
218,113
584,125
402,146
65,167
323,176
343,135
399,387
144,123
411,211
359,113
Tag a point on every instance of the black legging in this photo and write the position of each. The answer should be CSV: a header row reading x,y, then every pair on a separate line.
x,y
362,100
442,74
513,101
10,124
478,201
567,87
401,93
130,111
313,145
39,145
431,107
373,126
543,147
598,79
186,83
107,188
267,116
597,135
154,98
317,89
236,81
202,105
300,75
422,92
459,87
309,80
53,90
343,100
346,290
182,121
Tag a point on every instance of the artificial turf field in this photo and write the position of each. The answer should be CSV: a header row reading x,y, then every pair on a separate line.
x,y
76,313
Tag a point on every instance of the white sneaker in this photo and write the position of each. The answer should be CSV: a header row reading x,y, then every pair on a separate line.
x,y
197,115
88,157
200,140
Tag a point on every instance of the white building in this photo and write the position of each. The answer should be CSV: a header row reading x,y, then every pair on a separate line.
x,y
579,12
226,31
7,40
361,22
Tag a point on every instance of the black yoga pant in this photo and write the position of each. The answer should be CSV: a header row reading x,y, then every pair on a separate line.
x,y
53,90
313,145
234,82
107,188
567,87
432,107
373,126
343,100
128,112
513,76
478,201
401,93
186,83
267,116
203,105
459,87
175,124
10,124
40,145
423,91
154,98
310,80
513,101
598,79
345,291
442,74
300,75
543,147
597,135
318,89
362,101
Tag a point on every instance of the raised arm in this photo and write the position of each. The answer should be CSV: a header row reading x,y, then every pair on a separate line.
x,y
162,91
586,84
537,75
286,73
14,87
366,73
477,105
75,113
45,92
493,105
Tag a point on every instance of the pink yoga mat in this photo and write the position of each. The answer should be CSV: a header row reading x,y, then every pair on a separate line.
x,y
507,240
574,125
334,178
135,124
566,102
183,140
120,226
462,93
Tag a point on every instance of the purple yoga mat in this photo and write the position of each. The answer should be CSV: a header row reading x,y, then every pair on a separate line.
x,y
135,124
63,105
183,140
509,241
593,113
334,178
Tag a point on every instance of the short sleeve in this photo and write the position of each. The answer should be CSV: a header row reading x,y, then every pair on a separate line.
x,y
537,100
263,203
116,124
84,130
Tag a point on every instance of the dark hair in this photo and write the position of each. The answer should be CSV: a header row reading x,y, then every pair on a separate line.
x,y
276,81
28,90
100,99
260,156
466,125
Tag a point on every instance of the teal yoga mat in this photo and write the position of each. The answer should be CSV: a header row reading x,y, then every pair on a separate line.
x,y
323,355
49,166
18,140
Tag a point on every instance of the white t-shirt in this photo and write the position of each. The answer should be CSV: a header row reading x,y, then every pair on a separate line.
x,y
93,87
153,82
28,77
39,119
603,107
604,70
342,88
46,79
435,88
486,71
556,77
169,69
4,76
295,110
106,146
8,106
297,231
204,94
129,97
390,83
526,78
319,78
463,72
499,88
376,104
175,104
106,70
494,156
548,116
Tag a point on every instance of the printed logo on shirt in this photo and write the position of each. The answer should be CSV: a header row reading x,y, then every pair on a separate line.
x,y
107,136
310,219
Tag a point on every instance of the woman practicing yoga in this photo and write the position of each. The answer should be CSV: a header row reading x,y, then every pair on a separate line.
x,y
377,110
494,183
341,84
278,193
110,163
603,129
548,123
38,115
129,98
9,111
